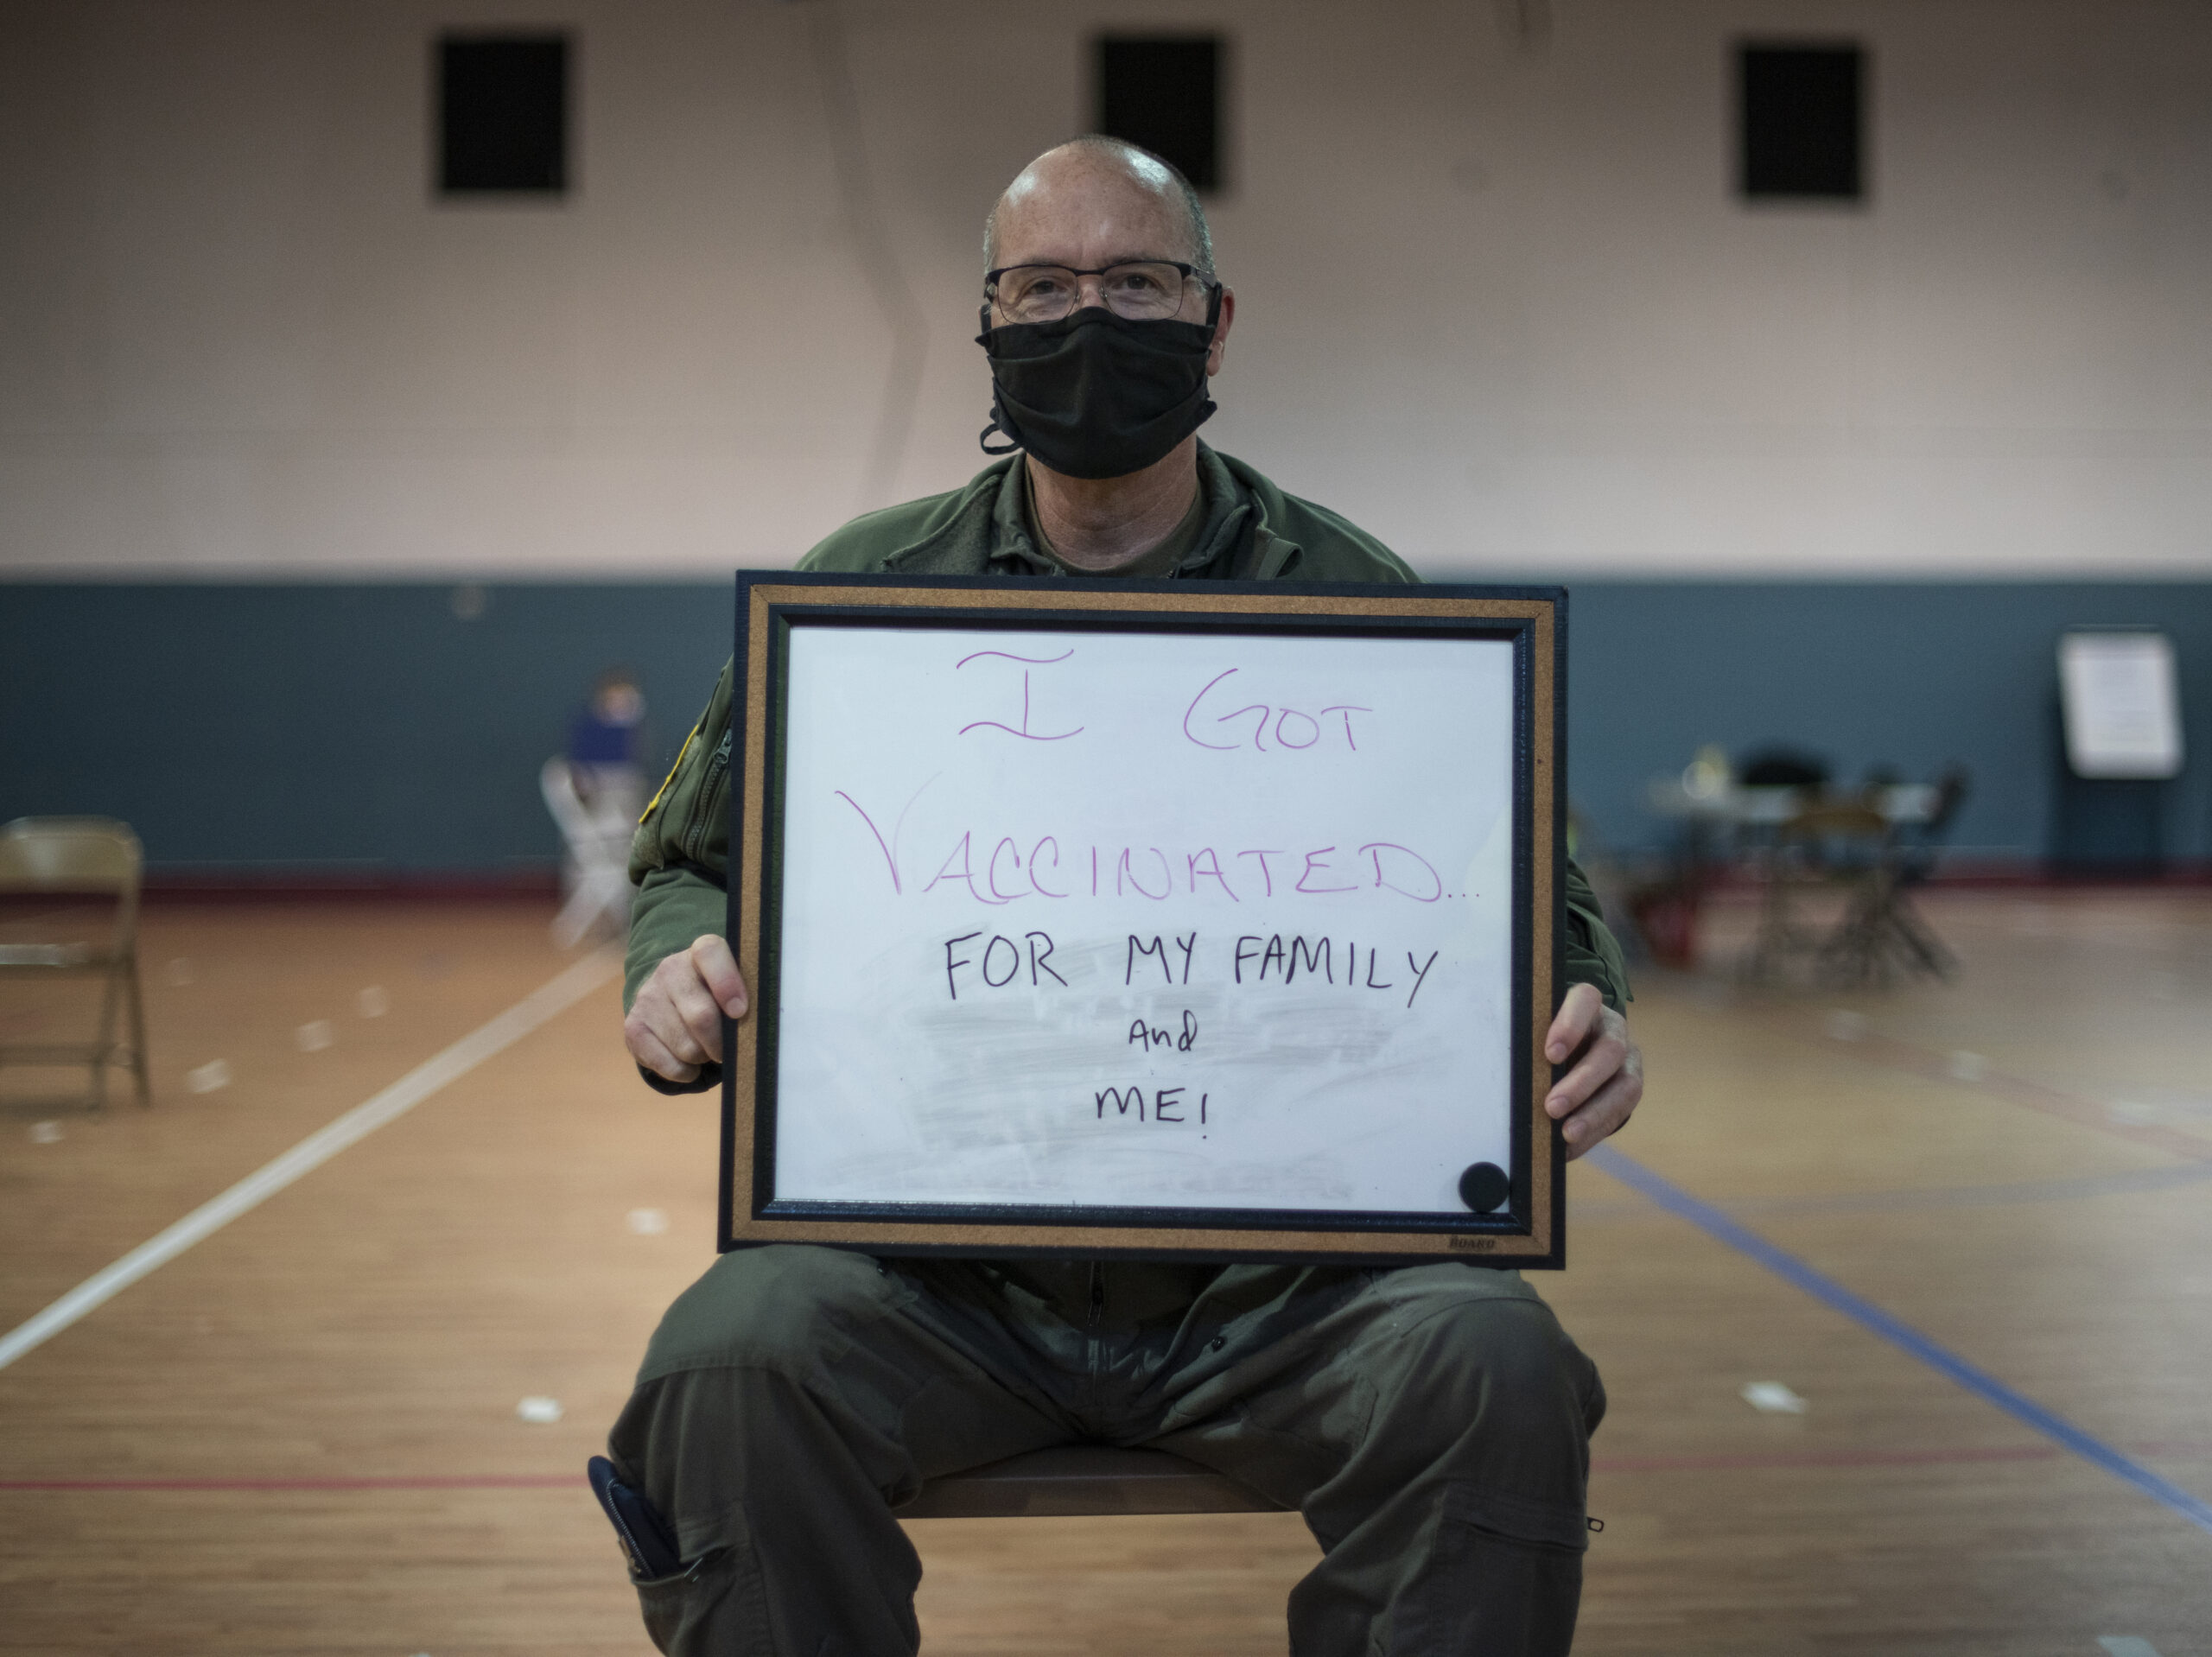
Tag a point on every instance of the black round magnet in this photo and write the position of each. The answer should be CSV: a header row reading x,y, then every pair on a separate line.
x,y
1483,1186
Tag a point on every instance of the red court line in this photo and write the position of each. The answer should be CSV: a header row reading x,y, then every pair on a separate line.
x,y
457,1482
1892,1054
1746,1461
1932,1457
1824,1459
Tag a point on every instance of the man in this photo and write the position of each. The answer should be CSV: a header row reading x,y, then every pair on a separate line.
x,y
1431,1422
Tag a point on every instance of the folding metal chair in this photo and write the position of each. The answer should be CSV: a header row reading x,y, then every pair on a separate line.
x,y
599,844
62,857
1882,925
1822,846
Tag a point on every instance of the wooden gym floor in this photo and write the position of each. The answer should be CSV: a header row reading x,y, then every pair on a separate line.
x,y
301,1434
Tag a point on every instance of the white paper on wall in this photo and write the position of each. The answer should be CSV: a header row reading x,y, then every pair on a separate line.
x,y
2121,703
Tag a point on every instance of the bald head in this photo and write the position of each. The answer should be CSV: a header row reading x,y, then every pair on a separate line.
x,y
1106,195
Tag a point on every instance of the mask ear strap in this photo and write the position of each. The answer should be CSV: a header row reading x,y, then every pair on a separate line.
x,y
983,437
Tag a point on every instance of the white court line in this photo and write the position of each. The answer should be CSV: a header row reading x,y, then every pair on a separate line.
x,y
316,1149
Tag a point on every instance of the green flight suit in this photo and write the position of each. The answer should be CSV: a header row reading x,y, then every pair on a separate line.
x,y
1431,1422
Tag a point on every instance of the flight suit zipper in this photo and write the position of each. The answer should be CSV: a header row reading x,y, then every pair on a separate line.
x,y
1094,1341
694,837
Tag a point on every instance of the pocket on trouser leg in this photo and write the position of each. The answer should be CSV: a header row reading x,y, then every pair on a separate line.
x,y
704,1608
1503,1578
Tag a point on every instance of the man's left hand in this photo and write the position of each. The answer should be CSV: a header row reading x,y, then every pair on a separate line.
x,y
1606,1078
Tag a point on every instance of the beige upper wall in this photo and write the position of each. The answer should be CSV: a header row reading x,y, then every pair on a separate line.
x,y
1498,302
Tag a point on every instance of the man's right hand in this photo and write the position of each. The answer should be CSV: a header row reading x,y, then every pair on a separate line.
x,y
675,1023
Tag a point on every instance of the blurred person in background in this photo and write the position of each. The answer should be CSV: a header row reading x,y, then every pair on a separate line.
x,y
607,742
606,764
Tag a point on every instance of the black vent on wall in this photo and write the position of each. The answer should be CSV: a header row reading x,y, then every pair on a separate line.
x,y
503,114
1802,111
1164,91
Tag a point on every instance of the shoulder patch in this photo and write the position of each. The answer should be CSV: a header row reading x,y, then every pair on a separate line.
x,y
661,793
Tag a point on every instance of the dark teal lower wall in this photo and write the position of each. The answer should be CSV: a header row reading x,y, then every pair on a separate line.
x,y
371,727
329,725
1909,674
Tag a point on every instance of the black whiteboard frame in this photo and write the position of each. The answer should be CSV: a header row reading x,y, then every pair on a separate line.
x,y
1529,1231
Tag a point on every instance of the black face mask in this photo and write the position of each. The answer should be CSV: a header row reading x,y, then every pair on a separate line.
x,y
1094,394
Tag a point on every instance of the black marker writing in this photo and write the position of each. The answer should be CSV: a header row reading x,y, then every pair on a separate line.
x,y
1138,947
1145,1034
951,983
999,972
1166,1104
1422,970
1037,960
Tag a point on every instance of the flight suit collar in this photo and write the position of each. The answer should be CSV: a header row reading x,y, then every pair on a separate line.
x,y
987,535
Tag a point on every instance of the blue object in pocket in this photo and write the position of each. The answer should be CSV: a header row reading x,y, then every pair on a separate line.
x,y
645,1537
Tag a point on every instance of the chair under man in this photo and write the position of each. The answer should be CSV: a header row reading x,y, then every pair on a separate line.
x,y
1068,1480
63,858
1077,1480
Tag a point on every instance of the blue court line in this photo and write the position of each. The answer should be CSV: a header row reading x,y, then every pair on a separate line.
x,y
2071,1188
1787,1267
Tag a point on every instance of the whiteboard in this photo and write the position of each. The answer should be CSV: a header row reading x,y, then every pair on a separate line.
x,y
1143,920
2121,704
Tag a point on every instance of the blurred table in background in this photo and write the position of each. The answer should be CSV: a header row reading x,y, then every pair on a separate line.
x,y
1870,846
1730,805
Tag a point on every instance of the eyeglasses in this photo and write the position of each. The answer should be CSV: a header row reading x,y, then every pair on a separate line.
x,y
1142,290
